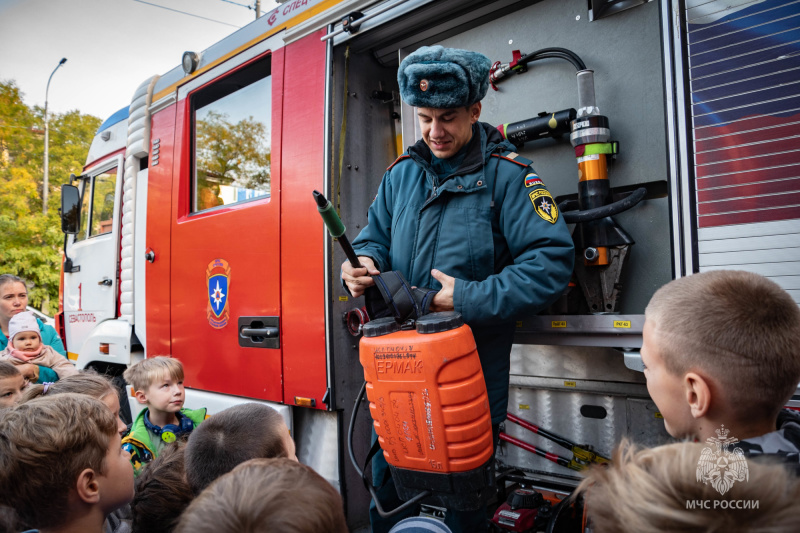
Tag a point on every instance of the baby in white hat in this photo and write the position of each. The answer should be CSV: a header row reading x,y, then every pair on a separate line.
x,y
26,346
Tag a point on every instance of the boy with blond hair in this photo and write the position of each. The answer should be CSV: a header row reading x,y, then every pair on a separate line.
x,y
61,464
722,348
656,490
158,383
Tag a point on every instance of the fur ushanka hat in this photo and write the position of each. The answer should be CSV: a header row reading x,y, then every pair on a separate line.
x,y
443,78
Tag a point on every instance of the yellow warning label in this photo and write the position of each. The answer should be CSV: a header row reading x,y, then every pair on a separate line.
x,y
622,324
524,407
342,298
570,384
659,415
519,323
559,323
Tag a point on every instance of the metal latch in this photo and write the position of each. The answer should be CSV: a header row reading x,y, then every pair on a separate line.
x,y
259,332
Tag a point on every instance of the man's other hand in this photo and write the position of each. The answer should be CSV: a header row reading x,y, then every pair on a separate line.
x,y
358,279
443,301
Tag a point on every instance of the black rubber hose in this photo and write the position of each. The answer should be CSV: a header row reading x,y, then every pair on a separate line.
x,y
574,217
352,426
562,53
350,430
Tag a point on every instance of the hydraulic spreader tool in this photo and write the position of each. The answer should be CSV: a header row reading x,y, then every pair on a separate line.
x,y
601,244
427,394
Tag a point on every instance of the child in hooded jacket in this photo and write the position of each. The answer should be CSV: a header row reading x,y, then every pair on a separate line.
x,y
26,346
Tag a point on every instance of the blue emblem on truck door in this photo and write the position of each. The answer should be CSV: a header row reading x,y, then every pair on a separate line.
x,y
218,283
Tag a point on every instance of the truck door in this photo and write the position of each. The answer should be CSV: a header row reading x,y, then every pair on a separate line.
x,y
225,273
90,294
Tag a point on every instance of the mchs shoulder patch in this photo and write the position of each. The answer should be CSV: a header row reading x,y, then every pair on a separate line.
x,y
532,180
544,205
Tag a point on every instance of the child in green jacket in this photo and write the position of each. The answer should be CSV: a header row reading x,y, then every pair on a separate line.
x,y
158,383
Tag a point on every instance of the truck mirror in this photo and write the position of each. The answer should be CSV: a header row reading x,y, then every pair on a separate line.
x,y
70,209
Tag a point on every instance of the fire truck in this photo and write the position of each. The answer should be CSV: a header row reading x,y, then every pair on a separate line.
x,y
192,230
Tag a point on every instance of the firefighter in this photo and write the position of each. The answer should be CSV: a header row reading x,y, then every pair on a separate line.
x,y
461,212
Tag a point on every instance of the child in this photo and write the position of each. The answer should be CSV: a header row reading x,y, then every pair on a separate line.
x,y
723,348
656,490
158,383
162,493
12,383
100,388
61,464
266,495
86,382
233,436
26,347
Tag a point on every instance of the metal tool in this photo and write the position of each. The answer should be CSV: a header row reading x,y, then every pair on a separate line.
x,y
582,455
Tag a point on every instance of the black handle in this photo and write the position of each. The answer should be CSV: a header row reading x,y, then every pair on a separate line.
x,y
573,217
259,332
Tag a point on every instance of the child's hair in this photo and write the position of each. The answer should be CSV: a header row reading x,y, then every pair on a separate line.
x,y
267,495
44,445
231,437
148,371
162,492
9,521
7,370
742,329
85,382
11,278
656,489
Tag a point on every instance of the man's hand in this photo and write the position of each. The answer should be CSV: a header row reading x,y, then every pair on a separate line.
x,y
443,301
29,371
358,279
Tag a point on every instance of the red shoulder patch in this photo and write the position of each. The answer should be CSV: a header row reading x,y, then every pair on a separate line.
x,y
520,163
397,161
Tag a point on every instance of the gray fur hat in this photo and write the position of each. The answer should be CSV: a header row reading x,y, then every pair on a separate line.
x,y
443,78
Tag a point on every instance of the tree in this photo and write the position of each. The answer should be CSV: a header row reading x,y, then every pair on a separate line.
x,y
30,242
229,154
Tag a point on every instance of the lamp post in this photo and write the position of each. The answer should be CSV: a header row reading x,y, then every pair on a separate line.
x,y
46,187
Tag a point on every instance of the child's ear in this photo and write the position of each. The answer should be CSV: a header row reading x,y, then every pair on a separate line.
x,y
140,396
698,394
87,487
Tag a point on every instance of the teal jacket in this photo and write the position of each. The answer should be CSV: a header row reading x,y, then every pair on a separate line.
x,y
138,442
50,338
491,224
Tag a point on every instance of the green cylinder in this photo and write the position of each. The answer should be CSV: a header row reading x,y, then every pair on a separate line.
x,y
332,220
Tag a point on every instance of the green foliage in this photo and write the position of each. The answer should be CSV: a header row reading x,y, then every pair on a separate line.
x,y
234,154
31,242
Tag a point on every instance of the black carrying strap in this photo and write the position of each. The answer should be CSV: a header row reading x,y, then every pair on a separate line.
x,y
393,296
376,448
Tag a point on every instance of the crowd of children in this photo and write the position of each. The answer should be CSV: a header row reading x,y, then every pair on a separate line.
x,y
721,353
67,435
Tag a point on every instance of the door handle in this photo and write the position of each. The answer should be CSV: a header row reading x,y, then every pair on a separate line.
x,y
106,282
259,332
